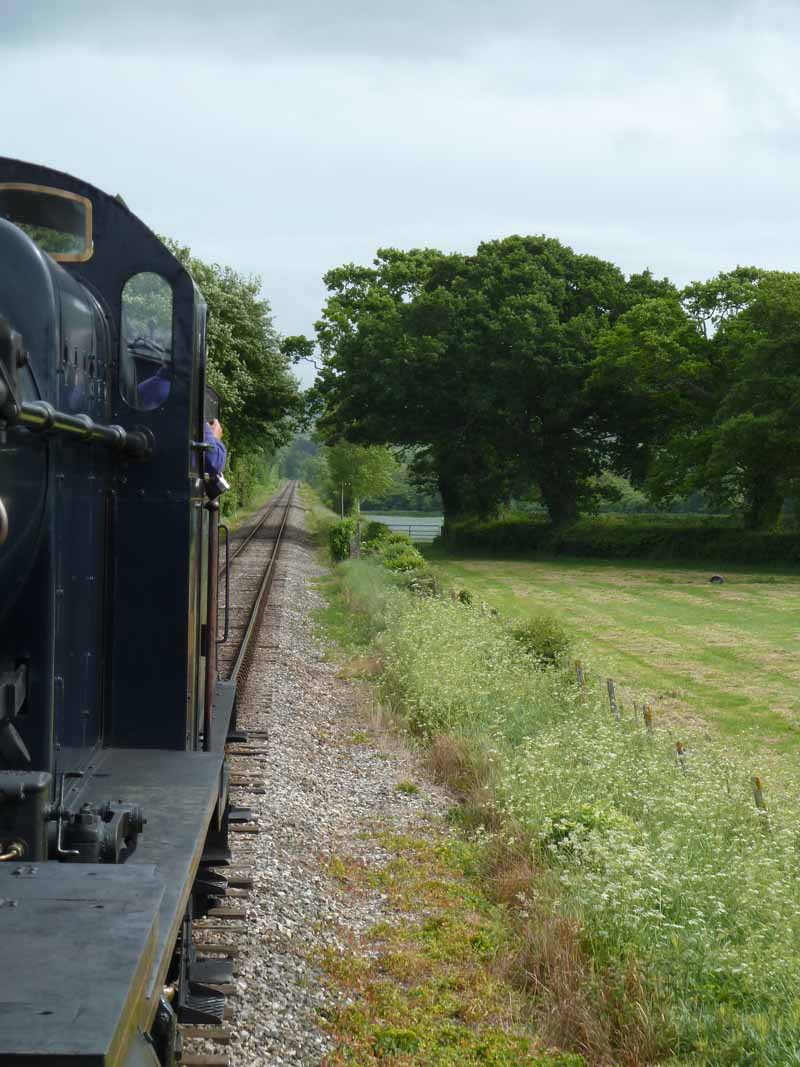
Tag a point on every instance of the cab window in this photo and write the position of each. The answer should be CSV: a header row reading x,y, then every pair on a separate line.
x,y
146,341
58,221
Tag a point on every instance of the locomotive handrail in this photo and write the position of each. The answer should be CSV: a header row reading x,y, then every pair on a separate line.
x,y
227,529
44,418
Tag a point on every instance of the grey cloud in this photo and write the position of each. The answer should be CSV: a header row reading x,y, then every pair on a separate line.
x,y
415,28
285,139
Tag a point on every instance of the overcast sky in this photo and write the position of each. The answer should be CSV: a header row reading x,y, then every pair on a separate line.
x,y
285,137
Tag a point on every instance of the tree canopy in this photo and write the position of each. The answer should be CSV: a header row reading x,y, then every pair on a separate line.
x,y
479,363
530,370
260,396
357,471
708,383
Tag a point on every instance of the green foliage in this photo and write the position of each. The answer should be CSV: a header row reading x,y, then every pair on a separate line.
x,y
478,363
403,559
246,473
527,370
407,787
375,531
424,582
53,241
391,1041
403,494
355,471
425,990
455,670
261,399
299,457
395,550
545,638
564,831
398,537
628,537
340,535
707,390
370,591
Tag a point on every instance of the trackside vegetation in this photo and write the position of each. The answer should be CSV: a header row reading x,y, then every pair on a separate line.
x,y
653,904
428,992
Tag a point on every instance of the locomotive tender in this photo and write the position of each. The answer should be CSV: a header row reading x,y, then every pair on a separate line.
x,y
113,783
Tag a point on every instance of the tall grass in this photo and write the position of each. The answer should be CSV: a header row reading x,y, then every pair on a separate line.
x,y
662,871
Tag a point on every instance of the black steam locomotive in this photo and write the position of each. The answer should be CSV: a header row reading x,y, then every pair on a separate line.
x,y
113,782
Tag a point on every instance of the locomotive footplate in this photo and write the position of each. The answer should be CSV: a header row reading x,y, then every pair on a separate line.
x,y
222,712
87,946
80,943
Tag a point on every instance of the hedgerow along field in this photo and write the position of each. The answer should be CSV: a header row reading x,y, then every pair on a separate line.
x,y
721,657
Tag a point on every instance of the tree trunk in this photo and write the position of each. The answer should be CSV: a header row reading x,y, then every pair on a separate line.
x,y
561,500
763,503
452,501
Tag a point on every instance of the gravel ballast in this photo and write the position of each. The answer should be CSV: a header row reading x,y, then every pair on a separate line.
x,y
323,785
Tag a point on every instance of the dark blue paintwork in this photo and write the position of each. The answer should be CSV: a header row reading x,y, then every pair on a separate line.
x,y
102,578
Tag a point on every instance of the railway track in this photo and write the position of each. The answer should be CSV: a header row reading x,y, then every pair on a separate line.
x,y
251,569
251,566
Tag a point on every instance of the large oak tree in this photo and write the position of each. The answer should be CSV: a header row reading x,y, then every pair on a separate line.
x,y
480,363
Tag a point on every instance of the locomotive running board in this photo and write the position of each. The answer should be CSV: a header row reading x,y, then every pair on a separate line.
x,y
87,946
221,712
80,942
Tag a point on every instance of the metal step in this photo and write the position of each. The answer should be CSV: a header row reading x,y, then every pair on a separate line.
x,y
201,1004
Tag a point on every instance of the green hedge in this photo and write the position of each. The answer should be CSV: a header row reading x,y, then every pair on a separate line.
x,y
623,538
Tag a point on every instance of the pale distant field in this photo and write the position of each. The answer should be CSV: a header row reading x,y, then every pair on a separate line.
x,y
720,657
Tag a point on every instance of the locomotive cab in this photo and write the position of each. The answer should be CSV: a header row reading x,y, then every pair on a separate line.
x,y
111,762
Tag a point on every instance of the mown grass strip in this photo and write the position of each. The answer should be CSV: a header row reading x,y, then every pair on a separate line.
x,y
722,655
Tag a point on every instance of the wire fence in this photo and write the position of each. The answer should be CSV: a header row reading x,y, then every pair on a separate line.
x,y
421,533
644,715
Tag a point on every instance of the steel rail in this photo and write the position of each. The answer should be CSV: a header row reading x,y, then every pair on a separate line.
x,y
244,657
245,541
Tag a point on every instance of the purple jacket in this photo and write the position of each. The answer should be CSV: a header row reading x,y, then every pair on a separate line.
x,y
216,455
154,391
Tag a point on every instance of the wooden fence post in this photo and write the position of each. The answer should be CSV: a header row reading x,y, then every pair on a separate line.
x,y
680,749
761,804
579,675
612,697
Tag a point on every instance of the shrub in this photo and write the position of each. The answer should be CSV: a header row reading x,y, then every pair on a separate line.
x,y
340,535
400,554
545,638
408,559
375,532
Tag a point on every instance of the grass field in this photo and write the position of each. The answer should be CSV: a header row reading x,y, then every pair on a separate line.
x,y
718,656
